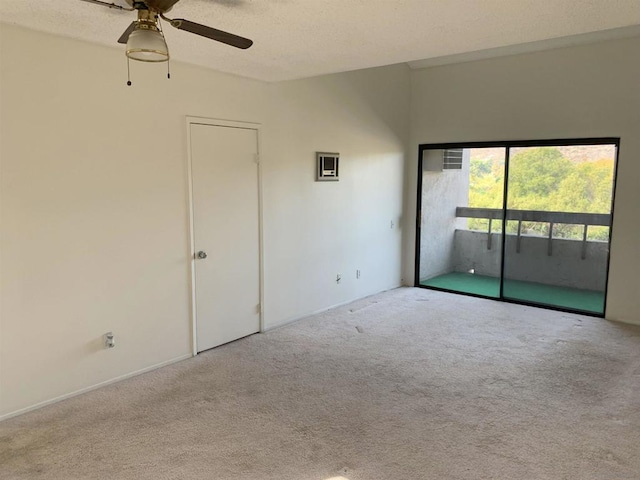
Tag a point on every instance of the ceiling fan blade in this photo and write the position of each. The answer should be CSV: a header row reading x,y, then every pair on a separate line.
x,y
125,35
212,33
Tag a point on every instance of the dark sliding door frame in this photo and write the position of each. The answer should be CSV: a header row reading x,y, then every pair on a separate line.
x,y
508,144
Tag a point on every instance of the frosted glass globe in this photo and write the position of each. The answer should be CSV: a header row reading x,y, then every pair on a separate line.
x,y
147,45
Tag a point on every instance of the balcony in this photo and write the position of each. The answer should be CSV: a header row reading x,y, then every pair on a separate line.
x,y
564,272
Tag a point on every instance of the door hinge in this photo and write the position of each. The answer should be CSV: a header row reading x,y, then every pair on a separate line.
x,y
256,158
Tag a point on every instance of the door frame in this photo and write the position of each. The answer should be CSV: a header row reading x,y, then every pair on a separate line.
x,y
508,144
190,120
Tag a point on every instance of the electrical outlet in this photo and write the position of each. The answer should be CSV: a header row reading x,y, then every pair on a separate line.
x,y
338,278
357,273
109,341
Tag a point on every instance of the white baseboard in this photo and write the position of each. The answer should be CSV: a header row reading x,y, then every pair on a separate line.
x,y
93,387
322,310
175,360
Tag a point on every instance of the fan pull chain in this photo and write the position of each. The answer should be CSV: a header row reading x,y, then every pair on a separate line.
x,y
168,71
128,73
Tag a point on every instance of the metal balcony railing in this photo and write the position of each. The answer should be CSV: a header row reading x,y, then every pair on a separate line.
x,y
552,218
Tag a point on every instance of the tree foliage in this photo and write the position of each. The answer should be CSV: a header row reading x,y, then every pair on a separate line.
x,y
543,179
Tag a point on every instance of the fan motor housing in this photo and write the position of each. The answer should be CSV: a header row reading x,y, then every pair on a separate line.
x,y
161,6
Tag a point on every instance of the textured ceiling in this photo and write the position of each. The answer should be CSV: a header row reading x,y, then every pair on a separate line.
x,y
303,38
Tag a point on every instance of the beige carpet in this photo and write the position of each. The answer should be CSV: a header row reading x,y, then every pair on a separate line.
x,y
408,384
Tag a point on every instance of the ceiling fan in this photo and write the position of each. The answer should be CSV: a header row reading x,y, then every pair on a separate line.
x,y
144,38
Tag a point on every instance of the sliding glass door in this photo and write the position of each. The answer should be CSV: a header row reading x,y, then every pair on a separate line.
x,y
558,223
540,237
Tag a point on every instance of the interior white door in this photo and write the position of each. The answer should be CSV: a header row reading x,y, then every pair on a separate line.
x,y
226,233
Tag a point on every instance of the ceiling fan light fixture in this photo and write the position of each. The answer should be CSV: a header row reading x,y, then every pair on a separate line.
x,y
147,44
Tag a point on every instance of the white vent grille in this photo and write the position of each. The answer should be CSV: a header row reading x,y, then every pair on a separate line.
x,y
452,159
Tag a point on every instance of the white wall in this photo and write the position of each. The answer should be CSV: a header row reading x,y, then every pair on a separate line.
x,y
94,203
317,230
585,91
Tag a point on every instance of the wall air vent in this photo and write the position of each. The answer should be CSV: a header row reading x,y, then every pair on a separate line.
x,y
452,159
327,166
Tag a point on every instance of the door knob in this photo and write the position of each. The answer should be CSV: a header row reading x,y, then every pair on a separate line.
x,y
202,254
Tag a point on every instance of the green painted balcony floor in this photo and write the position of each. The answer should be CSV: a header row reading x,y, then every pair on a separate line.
x,y
563,297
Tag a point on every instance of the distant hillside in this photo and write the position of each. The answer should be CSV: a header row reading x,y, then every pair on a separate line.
x,y
577,154
589,153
